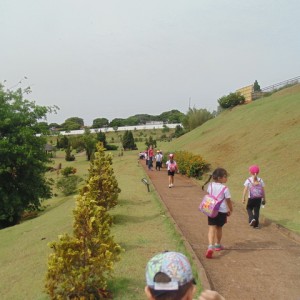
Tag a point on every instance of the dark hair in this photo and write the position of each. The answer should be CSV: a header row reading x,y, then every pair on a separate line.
x,y
217,173
169,295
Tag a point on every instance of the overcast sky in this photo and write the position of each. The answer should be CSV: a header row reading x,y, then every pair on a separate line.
x,y
118,58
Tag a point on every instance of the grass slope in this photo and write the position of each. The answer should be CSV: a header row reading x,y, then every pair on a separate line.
x,y
265,132
141,227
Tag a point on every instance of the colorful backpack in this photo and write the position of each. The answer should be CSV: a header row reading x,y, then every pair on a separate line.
x,y
210,204
172,166
256,190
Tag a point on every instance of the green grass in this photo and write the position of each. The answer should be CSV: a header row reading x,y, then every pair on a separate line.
x,y
265,132
141,228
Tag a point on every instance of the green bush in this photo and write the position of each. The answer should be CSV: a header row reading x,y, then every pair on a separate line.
x,y
233,99
68,171
190,164
68,184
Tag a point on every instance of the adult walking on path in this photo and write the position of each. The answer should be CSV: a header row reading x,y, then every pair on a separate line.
x,y
255,264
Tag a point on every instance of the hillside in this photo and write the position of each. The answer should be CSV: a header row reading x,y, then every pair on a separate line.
x,y
265,132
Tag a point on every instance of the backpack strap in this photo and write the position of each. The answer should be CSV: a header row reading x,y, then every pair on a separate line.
x,y
222,191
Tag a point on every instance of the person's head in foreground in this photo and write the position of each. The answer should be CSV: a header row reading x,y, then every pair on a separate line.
x,y
169,277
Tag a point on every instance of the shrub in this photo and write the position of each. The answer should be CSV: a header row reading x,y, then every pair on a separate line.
x,y
68,184
80,264
68,171
233,99
190,164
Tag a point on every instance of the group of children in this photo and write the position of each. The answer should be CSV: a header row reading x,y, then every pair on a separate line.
x,y
253,190
169,274
171,164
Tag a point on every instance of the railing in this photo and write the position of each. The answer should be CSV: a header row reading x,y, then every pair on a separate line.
x,y
275,87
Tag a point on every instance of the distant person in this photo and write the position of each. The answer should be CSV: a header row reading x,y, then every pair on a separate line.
x,y
169,276
215,225
158,160
172,169
150,154
255,191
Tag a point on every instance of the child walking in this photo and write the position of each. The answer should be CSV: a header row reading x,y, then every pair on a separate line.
x,y
172,168
215,225
254,189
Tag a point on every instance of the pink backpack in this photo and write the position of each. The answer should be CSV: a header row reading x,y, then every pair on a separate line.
x,y
256,190
172,166
210,204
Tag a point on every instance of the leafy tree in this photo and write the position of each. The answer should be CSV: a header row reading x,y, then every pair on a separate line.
x,y
101,137
100,123
23,160
117,122
128,140
81,264
73,123
43,126
77,120
69,156
89,143
150,142
171,117
54,125
179,131
231,100
62,142
132,121
256,86
195,118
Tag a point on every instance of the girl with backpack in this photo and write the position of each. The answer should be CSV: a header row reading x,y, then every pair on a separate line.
x,y
254,186
172,168
215,225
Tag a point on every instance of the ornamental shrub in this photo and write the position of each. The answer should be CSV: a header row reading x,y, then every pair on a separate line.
x,y
81,264
190,164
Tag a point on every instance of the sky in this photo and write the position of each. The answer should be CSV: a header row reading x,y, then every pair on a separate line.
x,y
118,58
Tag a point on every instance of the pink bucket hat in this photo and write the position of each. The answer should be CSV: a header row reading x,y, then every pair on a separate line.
x,y
254,169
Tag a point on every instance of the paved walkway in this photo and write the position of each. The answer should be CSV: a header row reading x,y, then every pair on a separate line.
x,y
256,264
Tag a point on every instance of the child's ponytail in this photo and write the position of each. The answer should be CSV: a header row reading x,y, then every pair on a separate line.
x,y
255,177
216,175
210,176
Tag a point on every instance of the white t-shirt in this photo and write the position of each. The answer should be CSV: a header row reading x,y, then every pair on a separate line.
x,y
247,183
214,188
169,162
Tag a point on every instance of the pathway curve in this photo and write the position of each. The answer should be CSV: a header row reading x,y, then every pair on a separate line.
x,y
256,264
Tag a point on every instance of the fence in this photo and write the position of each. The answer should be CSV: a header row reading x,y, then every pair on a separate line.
x,y
275,87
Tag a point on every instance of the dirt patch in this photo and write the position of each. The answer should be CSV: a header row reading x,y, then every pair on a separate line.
x,y
256,264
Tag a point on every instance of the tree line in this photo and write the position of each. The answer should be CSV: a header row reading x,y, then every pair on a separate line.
x,y
24,161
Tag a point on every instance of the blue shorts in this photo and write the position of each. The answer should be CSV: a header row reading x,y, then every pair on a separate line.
x,y
219,220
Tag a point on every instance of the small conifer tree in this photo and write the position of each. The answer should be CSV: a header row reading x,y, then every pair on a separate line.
x,y
80,264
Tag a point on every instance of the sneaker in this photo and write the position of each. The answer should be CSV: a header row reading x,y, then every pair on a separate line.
x,y
170,185
252,223
219,247
209,253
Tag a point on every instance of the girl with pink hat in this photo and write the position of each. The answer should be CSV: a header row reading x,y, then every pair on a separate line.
x,y
254,189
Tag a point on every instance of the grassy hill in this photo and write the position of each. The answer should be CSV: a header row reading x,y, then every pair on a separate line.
x,y
265,132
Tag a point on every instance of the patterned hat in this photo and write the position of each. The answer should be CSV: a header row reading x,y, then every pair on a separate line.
x,y
173,264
